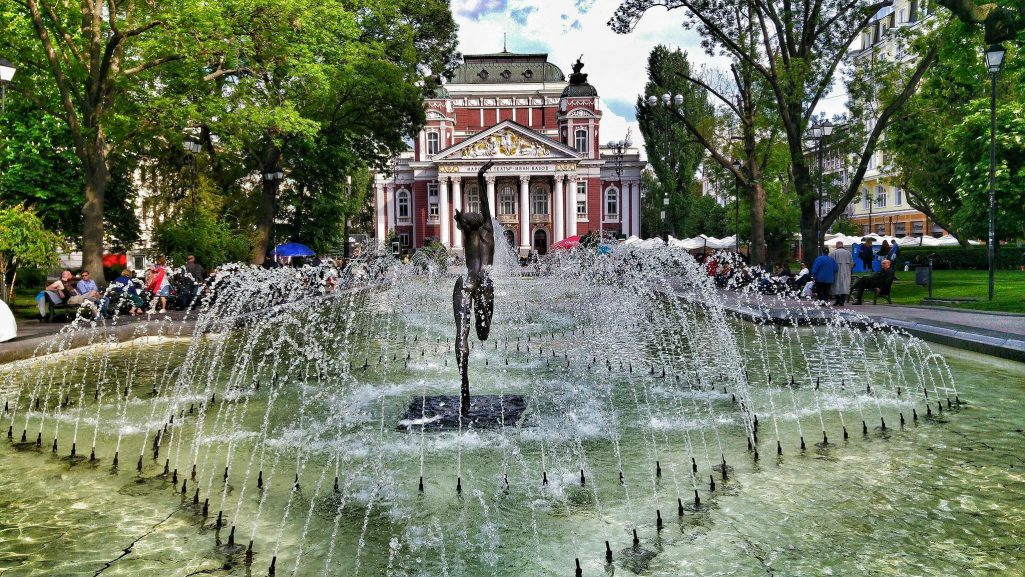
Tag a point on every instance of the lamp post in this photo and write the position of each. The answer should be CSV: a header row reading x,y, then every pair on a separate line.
x,y
7,71
994,61
620,148
192,148
738,166
668,102
819,134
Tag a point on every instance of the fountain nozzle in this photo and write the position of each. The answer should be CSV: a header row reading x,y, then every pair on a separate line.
x,y
420,487
579,572
637,540
779,448
249,553
711,483
658,519
697,499
608,553
459,485
270,571
583,479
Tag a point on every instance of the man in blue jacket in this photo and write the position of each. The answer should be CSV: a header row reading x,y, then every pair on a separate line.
x,y
823,272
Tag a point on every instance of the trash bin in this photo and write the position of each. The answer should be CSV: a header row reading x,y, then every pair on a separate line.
x,y
922,275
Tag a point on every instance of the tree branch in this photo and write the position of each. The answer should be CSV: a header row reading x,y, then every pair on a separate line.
x,y
877,130
713,92
152,64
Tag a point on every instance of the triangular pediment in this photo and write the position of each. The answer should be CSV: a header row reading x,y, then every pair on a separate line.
x,y
508,140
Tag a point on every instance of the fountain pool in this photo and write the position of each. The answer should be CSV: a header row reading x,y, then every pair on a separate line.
x,y
288,405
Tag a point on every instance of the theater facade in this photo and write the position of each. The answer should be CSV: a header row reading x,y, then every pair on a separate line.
x,y
552,179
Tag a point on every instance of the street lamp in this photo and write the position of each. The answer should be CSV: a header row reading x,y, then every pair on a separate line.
x,y
669,102
994,61
819,133
192,148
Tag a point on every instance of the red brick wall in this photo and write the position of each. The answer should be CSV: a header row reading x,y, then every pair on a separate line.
x,y
420,213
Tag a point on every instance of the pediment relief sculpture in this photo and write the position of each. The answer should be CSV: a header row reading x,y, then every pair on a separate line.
x,y
506,144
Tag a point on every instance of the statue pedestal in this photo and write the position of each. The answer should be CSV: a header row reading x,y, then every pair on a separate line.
x,y
441,412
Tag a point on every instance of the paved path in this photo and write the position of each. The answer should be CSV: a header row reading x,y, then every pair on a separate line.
x,y
33,333
997,334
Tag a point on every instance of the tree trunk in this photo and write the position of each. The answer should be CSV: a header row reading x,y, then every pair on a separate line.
x,y
265,220
757,202
806,195
97,177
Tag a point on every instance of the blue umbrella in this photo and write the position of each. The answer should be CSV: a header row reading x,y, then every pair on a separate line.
x,y
292,249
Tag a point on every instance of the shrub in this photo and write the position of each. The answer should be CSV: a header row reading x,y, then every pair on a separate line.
x,y
955,257
212,242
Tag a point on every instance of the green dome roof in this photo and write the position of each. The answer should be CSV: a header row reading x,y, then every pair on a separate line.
x,y
506,68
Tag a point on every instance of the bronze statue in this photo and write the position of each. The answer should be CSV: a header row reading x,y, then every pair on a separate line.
x,y
475,291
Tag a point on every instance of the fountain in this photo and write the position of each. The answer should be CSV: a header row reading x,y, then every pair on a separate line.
x,y
259,436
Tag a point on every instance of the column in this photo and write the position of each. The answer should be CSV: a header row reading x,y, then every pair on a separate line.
x,y
379,212
571,207
558,218
635,208
390,195
524,213
490,180
457,204
443,217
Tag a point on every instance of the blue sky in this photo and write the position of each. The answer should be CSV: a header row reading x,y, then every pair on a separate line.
x,y
566,29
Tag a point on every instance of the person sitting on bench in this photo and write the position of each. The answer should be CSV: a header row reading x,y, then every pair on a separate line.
x,y
880,281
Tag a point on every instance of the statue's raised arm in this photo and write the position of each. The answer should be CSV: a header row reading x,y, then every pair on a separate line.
x,y
485,205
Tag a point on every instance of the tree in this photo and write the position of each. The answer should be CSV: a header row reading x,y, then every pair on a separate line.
x,y
798,50
317,91
86,58
24,242
939,140
672,153
1001,23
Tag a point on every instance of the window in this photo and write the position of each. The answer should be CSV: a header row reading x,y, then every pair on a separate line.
x,y
898,196
881,229
864,200
864,229
403,209
433,143
611,202
937,230
539,200
880,196
900,229
581,200
581,140
404,239
507,201
472,200
432,201
917,228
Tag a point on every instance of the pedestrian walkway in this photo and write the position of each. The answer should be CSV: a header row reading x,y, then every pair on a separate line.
x,y
32,334
997,334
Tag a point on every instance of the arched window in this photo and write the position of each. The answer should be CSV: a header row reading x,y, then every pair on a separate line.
x,y
611,202
403,208
433,143
581,140
472,200
507,201
539,200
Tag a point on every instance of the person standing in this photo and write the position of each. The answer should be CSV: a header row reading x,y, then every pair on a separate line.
x,y
198,274
842,283
865,253
823,272
158,284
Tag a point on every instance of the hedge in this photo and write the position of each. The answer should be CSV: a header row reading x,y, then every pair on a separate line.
x,y
954,257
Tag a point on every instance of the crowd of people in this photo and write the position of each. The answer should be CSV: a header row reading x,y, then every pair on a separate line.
x,y
157,290
830,278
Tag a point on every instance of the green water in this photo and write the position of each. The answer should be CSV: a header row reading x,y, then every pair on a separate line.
x,y
943,496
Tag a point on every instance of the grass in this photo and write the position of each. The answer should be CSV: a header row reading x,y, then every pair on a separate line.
x,y
1009,289
24,306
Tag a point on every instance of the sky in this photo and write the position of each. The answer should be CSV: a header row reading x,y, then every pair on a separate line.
x,y
566,29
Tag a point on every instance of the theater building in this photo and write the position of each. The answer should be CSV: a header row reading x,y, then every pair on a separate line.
x,y
551,179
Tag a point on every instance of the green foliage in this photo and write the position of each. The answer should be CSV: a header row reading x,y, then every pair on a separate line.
x,y
1007,257
940,140
24,242
672,153
211,241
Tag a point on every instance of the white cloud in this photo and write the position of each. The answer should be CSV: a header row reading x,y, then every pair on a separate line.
x,y
566,29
